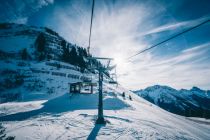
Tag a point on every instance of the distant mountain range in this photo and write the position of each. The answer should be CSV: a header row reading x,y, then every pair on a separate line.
x,y
191,103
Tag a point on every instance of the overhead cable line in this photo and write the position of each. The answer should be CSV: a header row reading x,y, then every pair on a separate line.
x,y
91,22
170,38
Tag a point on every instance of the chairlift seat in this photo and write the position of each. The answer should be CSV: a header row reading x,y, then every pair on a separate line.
x,y
113,82
82,87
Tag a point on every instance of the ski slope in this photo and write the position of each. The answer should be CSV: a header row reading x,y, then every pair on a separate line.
x,y
45,110
73,117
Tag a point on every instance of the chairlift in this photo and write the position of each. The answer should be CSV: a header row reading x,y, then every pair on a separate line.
x,y
82,87
113,82
113,77
88,83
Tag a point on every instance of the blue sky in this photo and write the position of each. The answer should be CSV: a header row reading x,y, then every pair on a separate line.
x,y
123,27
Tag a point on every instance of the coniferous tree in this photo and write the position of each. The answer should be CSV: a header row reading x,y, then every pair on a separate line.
x,y
40,46
81,63
85,53
63,43
76,55
80,59
66,53
40,43
73,56
24,54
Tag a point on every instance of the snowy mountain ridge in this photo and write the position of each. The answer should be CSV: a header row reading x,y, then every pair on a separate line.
x,y
36,103
37,59
194,102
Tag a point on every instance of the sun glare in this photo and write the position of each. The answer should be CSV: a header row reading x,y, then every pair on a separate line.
x,y
118,60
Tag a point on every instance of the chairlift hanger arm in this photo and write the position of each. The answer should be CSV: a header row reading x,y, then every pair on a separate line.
x,y
102,58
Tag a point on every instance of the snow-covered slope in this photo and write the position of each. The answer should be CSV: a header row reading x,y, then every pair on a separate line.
x,y
39,105
32,79
35,80
73,117
194,102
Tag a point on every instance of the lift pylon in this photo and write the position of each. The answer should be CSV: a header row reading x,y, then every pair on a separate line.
x,y
101,70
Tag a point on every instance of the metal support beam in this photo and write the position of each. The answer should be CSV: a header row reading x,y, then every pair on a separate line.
x,y
101,70
100,119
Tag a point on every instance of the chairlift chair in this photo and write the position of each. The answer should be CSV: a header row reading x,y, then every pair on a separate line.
x,y
113,82
113,79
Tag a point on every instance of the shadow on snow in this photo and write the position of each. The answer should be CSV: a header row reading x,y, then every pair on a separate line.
x,y
66,103
93,134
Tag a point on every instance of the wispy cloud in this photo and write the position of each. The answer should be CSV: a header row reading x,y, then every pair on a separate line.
x,y
191,67
114,28
175,25
18,11
119,31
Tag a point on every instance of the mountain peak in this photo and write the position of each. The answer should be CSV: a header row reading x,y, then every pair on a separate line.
x,y
194,88
178,101
160,87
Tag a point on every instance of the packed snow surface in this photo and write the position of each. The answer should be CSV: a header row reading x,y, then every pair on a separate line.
x,y
73,116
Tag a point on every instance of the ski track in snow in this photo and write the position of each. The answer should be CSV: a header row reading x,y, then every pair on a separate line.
x,y
137,119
